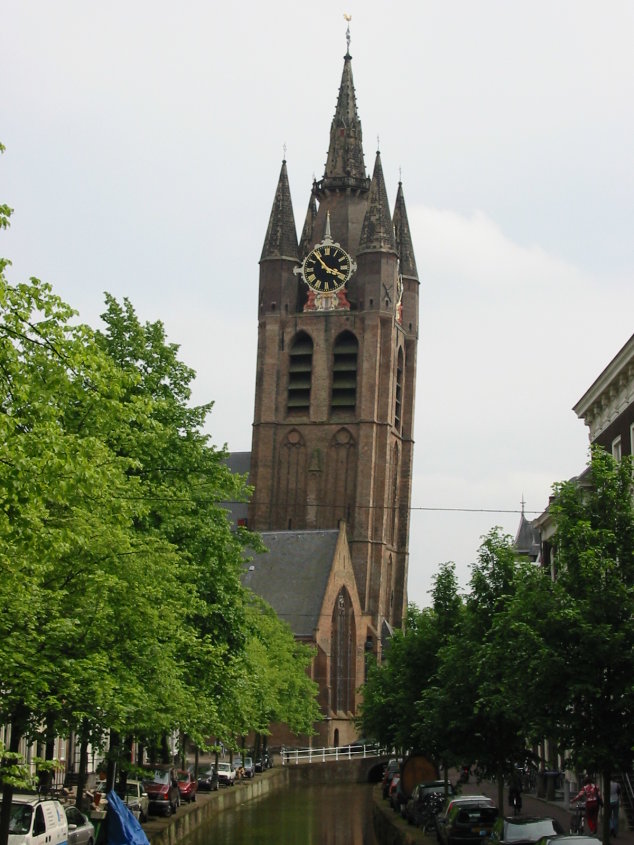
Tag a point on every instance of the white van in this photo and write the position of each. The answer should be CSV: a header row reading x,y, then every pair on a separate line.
x,y
37,821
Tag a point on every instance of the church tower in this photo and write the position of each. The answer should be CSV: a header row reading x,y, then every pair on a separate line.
x,y
336,368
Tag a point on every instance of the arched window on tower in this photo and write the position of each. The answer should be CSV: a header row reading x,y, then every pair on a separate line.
x,y
398,399
344,373
394,492
343,665
300,369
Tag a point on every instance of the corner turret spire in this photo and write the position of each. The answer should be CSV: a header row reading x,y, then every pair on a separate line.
x,y
377,232
403,236
281,234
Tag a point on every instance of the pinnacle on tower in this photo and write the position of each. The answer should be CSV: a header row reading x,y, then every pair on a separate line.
x,y
281,234
403,236
345,166
307,240
377,232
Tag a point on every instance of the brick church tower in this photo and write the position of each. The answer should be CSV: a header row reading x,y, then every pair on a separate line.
x,y
336,369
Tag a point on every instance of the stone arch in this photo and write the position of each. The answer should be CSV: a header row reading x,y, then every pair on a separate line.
x,y
291,482
339,480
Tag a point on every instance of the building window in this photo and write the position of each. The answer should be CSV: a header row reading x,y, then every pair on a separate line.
x,y
300,369
344,373
343,655
616,448
398,399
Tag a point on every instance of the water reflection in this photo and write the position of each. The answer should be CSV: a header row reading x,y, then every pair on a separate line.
x,y
303,815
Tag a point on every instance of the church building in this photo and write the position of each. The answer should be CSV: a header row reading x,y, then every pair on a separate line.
x,y
332,449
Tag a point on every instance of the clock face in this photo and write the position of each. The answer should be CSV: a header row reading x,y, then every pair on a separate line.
x,y
327,268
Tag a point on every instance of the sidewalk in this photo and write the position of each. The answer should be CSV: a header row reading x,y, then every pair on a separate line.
x,y
532,805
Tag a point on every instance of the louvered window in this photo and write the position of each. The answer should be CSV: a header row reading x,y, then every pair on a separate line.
x,y
344,373
299,375
398,402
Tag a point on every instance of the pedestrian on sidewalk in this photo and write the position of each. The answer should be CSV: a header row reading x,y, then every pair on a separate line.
x,y
589,793
615,800
515,793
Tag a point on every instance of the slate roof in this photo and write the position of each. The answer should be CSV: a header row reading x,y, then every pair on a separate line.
x,y
239,463
527,539
292,576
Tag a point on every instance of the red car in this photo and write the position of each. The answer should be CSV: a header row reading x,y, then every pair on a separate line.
x,y
162,789
187,785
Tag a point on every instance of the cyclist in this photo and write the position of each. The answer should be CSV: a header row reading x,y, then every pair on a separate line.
x,y
589,793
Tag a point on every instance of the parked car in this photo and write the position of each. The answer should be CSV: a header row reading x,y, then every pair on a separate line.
x,y
393,768
391,792
420,807
249,767
187,785
162,790
570,839
443,819
206,780
136,798
81,830
264,761
37,821
522,830
226,774
467,822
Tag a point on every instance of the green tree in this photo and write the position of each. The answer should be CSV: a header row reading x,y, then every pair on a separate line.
x,y
68,506
474,673
184,481
401,702
591,630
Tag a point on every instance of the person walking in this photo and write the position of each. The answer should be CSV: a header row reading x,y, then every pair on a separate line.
x,y
615,800
589,793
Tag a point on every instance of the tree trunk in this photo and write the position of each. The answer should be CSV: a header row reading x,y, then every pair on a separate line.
x,y
83,767
17,727
500,783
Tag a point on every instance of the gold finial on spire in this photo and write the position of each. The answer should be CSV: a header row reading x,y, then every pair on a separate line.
x,y
284,150
348,18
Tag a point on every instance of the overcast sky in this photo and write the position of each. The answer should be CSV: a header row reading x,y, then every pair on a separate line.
x,y
144,142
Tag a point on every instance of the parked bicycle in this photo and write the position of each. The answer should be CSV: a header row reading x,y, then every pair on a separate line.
x,y
578,818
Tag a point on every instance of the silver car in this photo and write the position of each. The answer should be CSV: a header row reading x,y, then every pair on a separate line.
x,y
81,830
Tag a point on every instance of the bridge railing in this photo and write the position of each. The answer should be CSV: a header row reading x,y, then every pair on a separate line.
x,y
296,756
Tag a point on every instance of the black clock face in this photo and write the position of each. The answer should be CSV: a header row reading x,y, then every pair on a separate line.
x,y
327,268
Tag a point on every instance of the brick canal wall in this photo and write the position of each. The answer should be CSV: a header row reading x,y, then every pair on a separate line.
x,y
189,817
391,829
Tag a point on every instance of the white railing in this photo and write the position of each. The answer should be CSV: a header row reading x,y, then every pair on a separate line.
x,y
321,755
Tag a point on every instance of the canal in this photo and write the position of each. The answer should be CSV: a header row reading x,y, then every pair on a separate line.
x,y
339,814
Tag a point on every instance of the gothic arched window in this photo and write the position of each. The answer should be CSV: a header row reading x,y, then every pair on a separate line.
x,y
343,654
300,369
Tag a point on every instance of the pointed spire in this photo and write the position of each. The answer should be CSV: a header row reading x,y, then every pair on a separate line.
x,y
307,241
281,235
404,245
377,232
345,166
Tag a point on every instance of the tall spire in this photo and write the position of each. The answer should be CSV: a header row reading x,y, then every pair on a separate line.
x,y
281,234
345,166
306,241
404,244
377,232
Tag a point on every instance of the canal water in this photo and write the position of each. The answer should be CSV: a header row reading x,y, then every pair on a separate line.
x,y
340,814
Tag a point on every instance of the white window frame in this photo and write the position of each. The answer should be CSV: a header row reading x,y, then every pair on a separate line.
x,y
617,448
